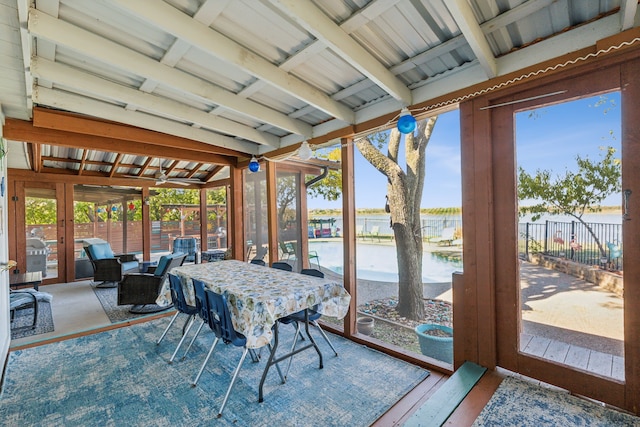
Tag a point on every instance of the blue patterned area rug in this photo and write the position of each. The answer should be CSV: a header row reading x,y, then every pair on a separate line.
x,y
520,403
108,298
20,328
121,377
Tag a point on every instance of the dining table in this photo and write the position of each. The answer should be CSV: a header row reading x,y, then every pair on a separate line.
x,y
258,296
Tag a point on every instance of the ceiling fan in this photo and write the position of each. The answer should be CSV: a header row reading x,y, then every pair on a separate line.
x,y
161,178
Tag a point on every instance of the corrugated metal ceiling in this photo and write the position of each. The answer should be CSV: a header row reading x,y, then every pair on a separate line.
x,y
260,75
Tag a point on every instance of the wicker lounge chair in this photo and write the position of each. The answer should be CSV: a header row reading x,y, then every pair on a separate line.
x,y
142,289
109,268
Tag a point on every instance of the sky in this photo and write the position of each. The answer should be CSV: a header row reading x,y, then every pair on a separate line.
x,y
547,138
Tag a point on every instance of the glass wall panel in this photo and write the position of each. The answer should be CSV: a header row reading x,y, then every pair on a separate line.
x,y
288,212
325,225
174,212
217,218
255,210
409,237
41,222
112,215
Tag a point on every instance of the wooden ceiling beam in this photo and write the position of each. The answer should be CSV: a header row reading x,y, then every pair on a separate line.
x,y
213,173
83,161
171,167
114,166
36,157
88,178
75,123
145,166
193,171
20,130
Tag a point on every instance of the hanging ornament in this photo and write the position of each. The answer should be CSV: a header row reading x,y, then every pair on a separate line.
x,y
406,122
304,152
131,206
114,208
254,166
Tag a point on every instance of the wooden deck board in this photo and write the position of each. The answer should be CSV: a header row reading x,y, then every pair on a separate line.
x,y
600,363
557,351
577,357
617,368
574,356
525,339
537,346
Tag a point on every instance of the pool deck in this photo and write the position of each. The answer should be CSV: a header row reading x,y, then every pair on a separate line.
x,y
564,318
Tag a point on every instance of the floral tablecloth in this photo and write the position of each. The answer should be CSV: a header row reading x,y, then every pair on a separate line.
x,y
258,296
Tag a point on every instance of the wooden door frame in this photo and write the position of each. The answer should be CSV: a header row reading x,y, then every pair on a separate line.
x,y
17,226
618,76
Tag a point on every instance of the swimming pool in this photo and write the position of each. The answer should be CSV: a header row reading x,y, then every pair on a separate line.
x,y
379,262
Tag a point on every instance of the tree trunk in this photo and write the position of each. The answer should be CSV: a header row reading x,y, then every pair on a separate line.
x,y
404,195
410,292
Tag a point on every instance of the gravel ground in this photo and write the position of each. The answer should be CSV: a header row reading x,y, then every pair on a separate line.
x,y
392,328
379,300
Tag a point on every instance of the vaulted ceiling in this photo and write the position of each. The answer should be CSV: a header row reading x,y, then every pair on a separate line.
x,y
194,85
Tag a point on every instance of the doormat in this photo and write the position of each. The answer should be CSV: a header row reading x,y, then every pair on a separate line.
x,y
522,403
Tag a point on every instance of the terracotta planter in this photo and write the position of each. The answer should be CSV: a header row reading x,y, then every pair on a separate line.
x,y
436,347
365,325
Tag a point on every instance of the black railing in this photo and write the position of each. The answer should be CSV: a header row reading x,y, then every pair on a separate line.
x,y
574,240
433,227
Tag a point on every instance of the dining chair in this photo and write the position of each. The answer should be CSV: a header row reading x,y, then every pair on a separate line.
x,y
282,266
203,313
258,262
298,317
181,306
219,320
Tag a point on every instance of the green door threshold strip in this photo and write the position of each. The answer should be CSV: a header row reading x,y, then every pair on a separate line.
x,y
435,411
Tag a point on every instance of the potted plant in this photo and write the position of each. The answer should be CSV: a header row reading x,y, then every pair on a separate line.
x,y
365,325
436,341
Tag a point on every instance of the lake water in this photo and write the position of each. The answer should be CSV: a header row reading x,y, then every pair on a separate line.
x,y
383,223
379,262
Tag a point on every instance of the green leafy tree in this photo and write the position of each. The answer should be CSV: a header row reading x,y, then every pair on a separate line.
x,y
83,212
573,193
404,192
158,204
286,193
329,188
40,211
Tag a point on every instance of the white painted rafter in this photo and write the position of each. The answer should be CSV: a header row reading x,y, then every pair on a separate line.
x,y
307,15
43,26
101,88
463,15
210,41
83,105
628,9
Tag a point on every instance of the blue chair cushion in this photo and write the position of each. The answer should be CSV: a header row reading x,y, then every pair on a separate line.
x,y
100,251
130,265
162,265
186,245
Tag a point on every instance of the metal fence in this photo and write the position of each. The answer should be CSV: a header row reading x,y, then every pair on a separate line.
x,y
431,227
574,241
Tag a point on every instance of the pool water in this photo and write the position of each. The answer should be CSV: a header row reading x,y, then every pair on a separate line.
x,y
379,262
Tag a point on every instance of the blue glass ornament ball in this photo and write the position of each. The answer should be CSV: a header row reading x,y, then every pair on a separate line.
x,y
406,124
